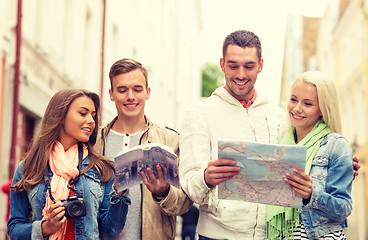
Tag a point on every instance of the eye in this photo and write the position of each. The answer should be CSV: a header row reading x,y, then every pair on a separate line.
x,y
83,114
233,67
122,91
308,104
292,99
138,90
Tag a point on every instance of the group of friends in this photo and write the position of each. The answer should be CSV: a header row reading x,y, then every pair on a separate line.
x,y
71,158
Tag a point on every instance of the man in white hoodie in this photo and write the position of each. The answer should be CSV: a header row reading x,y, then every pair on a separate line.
x,y
231,112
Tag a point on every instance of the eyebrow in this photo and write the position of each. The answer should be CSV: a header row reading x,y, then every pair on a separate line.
x,y
85,108
307,99
120,87
232,61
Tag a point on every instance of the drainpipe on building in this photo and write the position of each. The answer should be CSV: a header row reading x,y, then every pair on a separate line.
x,y
102,57
12,159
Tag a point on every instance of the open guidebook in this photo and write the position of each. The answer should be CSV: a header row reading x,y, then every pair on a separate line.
x,y
262,172
129,164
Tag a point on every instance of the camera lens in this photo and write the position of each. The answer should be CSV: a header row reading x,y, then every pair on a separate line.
x,y
76,209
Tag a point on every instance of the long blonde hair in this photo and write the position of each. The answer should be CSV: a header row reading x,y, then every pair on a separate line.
x,y
327,98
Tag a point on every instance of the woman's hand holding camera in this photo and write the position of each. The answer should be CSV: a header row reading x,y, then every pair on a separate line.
x,y
53,219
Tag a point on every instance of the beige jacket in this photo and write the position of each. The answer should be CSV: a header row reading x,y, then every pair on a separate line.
x,y
158,218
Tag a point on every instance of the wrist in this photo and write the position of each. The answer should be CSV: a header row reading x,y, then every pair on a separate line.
x,y
205,179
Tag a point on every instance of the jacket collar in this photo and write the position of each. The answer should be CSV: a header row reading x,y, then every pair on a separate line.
x,y
107,128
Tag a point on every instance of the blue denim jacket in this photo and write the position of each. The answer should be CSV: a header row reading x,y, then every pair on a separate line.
x,y
332,174
104,207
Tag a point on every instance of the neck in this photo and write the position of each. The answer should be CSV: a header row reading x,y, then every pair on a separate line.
x,y
129,125
300,134
245,97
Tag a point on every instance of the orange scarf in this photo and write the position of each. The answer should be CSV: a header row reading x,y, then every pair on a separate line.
x,y
64,166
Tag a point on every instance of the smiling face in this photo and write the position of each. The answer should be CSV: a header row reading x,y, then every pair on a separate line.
x,y
78,123
241,67
130,94
303,108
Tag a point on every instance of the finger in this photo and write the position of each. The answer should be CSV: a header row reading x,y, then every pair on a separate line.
x,y
301,193
224,169
160,173
145,180
296,179
305,187
151,176
356,166
301,173
223,162
355,159
220,180
58,213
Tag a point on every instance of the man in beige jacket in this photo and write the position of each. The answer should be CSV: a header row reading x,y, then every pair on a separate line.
x,y
155,204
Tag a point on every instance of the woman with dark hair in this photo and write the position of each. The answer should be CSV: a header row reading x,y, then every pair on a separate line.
x,y
63,189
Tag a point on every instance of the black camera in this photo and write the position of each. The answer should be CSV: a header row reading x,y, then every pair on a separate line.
x,y
74,207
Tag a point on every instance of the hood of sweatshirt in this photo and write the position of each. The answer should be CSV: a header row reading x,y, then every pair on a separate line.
x,y
222,93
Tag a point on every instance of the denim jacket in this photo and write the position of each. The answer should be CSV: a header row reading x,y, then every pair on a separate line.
x,y
104,207
332,174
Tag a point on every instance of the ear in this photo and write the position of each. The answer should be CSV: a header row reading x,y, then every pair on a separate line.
x,y
222,64
111,96
260,64
148,93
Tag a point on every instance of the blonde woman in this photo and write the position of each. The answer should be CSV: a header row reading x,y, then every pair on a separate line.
x,y
326,183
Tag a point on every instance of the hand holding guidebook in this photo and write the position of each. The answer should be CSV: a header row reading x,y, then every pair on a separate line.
x,y
129,164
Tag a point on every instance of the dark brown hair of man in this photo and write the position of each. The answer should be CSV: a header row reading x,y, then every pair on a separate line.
x,y
126,65
242,38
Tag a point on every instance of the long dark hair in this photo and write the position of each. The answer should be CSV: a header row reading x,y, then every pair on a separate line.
x,y
36,158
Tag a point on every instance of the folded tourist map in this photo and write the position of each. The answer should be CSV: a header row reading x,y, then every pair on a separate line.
x,y
262,172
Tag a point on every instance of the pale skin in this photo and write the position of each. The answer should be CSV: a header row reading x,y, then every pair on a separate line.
x,y
241,67
130,92
77,125
304,112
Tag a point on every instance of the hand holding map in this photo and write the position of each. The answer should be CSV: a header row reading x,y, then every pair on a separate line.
x,y
262,172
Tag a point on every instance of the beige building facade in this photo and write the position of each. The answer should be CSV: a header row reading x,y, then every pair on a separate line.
x,y
72,44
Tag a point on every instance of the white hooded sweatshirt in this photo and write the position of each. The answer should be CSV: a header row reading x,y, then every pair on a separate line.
x,y
221,116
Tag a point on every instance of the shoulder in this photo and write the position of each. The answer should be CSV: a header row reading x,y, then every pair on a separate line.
x,y
336,146
162,129
334,138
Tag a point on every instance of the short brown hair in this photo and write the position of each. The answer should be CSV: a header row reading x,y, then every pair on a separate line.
x,y
126,65
242,38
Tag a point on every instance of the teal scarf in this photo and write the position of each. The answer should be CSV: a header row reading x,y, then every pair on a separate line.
x,y
281,221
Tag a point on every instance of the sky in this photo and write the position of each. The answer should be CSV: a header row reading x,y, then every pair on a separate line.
x,y
267,19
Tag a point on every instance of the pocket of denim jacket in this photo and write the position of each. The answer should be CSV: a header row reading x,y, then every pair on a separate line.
x,y
94,183
320,160
319,167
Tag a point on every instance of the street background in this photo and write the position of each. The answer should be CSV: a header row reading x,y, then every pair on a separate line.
x,y
46,46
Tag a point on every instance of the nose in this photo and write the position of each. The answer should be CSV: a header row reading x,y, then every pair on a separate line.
x,y
242,73
298,107
130,94
90,119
